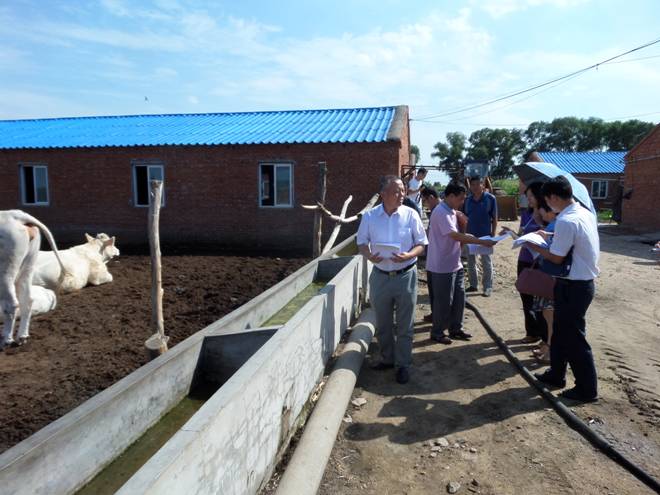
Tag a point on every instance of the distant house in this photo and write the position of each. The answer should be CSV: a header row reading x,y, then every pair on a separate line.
x,y
230,179
641,206
600,172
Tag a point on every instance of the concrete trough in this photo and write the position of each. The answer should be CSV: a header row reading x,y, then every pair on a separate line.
x,y
230,445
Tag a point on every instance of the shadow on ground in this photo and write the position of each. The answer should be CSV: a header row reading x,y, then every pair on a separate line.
x,y
425,414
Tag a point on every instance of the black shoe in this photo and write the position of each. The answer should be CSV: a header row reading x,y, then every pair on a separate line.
x,y
547,379
402,375
471,289
574,394
442,339
380,366
460,335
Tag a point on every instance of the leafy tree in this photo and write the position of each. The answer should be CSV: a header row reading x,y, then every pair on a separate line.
x,y
503,148
623,136
415,149
451,154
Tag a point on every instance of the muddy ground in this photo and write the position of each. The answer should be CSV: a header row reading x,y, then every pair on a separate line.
x,y
501,437
96,336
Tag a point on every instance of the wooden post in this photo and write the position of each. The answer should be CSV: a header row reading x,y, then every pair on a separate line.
x,y
318,215
157,343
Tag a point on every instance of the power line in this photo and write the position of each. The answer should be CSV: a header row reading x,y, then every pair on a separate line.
x,y
547,83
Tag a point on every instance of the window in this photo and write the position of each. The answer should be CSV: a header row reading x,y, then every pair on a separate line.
x,y
276,184
34,184
599,189
143,174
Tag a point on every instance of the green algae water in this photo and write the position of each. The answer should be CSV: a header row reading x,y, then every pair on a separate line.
x,y
292,307
134,457
349,250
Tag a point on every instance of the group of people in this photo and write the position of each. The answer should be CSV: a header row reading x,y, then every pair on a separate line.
x,y
392,237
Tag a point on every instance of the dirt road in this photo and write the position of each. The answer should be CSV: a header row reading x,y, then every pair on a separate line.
x,y
495,434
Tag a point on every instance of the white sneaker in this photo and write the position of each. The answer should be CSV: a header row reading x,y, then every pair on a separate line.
x,y
488,292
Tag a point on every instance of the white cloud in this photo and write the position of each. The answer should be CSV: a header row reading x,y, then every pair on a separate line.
x,y
500,8
192,99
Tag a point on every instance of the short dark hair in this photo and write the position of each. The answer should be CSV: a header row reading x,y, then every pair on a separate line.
x,y
429,191
422,170
558,186
535,189
386,180
455,189
475,177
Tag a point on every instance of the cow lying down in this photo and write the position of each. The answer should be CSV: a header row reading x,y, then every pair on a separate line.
x,y
20,239
85,263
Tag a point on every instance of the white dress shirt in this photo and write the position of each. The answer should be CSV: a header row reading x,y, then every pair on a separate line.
x,y
576,227
403,228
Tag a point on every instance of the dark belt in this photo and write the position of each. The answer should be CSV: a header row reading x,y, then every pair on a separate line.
x,y
394,273
561,280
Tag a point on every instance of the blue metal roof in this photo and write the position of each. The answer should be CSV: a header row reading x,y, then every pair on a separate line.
x,y
586,162
285,127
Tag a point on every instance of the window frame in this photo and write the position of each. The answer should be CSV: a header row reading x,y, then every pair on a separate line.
x,y
276,164
33,166
149,164
599,182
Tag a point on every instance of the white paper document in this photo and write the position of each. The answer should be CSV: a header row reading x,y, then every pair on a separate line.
x,y
474,249
532,238
386,249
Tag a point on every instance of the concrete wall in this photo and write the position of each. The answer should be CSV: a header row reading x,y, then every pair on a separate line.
x,y
69,452
231,443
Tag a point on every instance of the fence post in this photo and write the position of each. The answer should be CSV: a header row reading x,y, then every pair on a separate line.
x,y
157,343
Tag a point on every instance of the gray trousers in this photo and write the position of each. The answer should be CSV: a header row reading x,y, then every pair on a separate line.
x,y
390,295
447,295
487,266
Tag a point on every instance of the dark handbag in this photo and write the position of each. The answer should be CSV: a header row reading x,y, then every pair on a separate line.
x,y
555,270
535,283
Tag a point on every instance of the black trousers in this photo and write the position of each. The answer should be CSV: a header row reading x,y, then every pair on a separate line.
x,y
569,335
535,324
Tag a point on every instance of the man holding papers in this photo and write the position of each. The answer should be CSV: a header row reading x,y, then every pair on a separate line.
x,y
392,236
444,269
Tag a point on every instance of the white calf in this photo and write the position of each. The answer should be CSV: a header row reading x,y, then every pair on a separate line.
x,y
85,263
19,244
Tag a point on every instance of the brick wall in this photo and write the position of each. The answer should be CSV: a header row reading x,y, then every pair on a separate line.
x,y
642,177
642,210
614,182
211,192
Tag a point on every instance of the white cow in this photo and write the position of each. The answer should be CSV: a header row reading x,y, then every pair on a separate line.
x,y
20,239
43,300
85,263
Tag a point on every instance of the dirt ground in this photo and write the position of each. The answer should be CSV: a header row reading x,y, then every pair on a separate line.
x,y
96,336
501,437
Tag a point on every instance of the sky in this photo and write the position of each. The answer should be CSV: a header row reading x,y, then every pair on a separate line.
x,y
125,57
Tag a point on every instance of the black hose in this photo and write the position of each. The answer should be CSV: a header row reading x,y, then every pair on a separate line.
x,y
571,419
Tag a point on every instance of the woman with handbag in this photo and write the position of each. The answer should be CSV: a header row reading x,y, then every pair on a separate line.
x,y
543,304
530,221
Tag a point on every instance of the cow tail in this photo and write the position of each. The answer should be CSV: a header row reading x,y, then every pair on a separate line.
x,y
65,280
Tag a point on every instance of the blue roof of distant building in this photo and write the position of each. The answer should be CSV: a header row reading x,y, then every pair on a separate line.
x,y
283,127
586,162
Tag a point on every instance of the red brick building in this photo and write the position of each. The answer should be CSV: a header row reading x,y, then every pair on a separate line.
x,y
230,180
600,172
641,206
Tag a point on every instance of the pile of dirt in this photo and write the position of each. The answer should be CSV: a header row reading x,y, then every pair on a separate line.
x,y
96,336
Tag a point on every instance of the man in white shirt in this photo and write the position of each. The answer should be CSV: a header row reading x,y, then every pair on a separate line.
x,y
575,241
415,187
392,236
